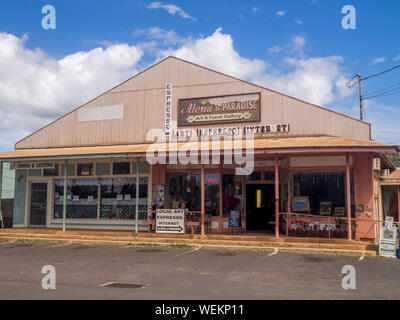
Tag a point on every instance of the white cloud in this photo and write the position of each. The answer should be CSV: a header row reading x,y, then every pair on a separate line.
x,y
378,60
298,21
397,58
217,52
275,49
317,80
36,88
298,42
280,13
163,37
295,46
171,9
255,10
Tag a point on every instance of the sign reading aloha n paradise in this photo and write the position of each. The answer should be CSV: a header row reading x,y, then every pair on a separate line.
x,y
234,108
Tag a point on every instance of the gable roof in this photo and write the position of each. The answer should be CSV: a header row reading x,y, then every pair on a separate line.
x,y
112,90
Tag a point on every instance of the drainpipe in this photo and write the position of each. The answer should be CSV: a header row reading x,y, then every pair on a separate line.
x,y
137,197
65,196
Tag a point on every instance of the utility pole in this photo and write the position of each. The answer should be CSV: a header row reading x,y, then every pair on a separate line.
x,y
351,84
359,91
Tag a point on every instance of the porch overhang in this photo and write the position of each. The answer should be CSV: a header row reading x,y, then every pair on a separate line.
x,y
271,146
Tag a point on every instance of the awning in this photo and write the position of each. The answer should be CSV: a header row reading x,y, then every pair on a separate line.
x,y
260,146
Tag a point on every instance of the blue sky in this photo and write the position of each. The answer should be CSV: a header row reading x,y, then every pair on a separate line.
x,y
297,47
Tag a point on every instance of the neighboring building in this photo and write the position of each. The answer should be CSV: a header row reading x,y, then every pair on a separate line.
x,y
308,159
7,194
390,183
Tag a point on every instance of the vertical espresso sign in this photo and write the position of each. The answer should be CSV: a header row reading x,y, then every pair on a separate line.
x,y
168,106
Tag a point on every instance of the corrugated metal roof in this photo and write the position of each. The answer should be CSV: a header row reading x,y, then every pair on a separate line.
x,y
259,144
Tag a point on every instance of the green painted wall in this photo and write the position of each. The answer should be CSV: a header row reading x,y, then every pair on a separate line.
x,y
7,191
19,197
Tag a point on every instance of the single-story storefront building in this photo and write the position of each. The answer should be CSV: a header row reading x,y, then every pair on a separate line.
x,y
179,135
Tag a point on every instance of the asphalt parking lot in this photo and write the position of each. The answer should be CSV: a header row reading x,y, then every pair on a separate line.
x,y
188,273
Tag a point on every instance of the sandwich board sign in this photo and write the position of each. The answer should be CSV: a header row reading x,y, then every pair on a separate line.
x,y
170,221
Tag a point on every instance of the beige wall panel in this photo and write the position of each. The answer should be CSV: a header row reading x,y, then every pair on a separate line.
x,y
174,71
143,100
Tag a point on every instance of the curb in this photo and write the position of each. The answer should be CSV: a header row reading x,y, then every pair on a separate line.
x,y
349,252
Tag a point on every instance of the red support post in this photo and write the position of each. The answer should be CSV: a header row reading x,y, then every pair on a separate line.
x,y
202,200
348,196
276,196
398,203
221,198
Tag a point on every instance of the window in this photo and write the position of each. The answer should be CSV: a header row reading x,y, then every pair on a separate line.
x,y
118,198
103,168
269,175
256,175
232,193
70,169
121,168
81,198
322,188
51,172
85,169
35,172
184,190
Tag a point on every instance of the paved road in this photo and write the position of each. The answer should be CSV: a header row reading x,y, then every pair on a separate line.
x,y
185,273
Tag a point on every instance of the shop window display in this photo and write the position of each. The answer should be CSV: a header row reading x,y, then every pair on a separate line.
x,y
184,191
85,169
118,198
81,198
325,190
232,194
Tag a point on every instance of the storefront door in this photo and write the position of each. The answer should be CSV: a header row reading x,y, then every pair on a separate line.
x,y
38,204
260,206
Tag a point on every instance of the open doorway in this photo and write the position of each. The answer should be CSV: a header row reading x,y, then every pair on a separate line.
x,y
260,206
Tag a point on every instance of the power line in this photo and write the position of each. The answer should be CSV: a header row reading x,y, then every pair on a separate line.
x,y
382,93
378,91
379,73
352,102
388,93
353,81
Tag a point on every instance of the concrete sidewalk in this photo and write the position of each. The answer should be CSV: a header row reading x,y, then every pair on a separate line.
x,y
311,245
